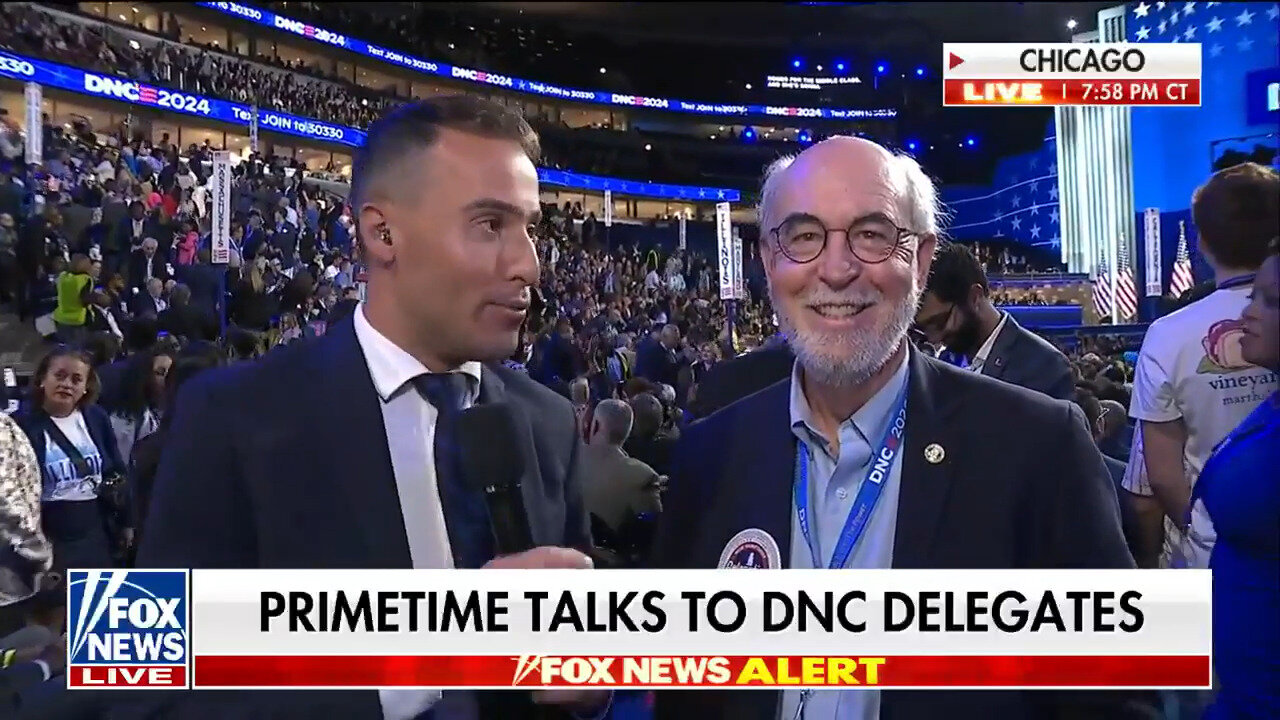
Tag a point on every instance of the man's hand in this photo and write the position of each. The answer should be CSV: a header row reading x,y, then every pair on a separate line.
x,y
545,557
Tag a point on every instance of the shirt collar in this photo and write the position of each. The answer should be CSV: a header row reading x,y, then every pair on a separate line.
x,y
391,367
868,421
980,357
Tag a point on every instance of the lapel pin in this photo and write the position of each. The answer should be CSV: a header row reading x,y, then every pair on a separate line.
x,y
934,453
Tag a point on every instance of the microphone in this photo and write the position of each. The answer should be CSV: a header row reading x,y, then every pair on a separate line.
x,y
492,446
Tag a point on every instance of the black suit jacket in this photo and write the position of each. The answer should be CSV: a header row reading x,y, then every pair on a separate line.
x,y
731,380
1022,486
250,479
1021,357
138,269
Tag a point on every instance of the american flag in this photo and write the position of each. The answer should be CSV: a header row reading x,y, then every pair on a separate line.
x,y
1126,289
1020,205
1183,279
1102,288
1231,33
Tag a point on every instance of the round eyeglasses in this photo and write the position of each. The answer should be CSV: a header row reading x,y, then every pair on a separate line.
x,y
802,238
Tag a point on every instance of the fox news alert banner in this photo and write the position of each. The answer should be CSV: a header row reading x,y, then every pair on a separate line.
x,y
1021,74
639,629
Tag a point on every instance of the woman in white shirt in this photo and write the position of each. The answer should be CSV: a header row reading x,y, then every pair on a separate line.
x,y
75,448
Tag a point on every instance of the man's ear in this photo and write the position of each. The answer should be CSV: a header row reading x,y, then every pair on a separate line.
x,y
925,249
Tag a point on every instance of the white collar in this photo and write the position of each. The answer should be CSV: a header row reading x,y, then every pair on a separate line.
x,y
980,357
390,366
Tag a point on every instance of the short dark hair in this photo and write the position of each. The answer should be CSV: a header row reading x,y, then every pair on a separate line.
x,y
416,125
1237,213
955,269
1089,404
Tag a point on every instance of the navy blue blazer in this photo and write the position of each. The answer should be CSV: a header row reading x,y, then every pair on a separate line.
x,y
283,463
1021,357
1021,486
33,422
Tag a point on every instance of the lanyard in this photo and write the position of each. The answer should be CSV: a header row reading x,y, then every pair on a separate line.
x,y
1236,281
882,461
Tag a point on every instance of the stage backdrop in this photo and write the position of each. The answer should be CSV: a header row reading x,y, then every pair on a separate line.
x,y
1020,204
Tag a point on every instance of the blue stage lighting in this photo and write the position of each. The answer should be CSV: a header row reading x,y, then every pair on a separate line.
x,y
970,142
748,134
839,67
795,64
805,136
912,145
919,72
882,68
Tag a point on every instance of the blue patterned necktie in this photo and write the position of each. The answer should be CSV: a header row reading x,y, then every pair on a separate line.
x,y
466,516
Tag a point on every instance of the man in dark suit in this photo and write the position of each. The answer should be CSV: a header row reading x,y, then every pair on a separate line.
x,y
655,356
956,312
186,320
731,380
146,263
988,474
150,302
445,190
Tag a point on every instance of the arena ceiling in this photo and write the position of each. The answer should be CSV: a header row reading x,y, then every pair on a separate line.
x,y
873,26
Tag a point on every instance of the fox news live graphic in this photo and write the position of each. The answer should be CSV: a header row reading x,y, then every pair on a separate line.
x,y
492,629
1021,74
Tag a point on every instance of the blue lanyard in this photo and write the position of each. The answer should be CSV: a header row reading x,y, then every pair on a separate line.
x,y
1236,281
882,462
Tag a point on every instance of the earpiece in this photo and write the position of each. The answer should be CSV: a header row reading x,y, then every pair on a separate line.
x,y
384,234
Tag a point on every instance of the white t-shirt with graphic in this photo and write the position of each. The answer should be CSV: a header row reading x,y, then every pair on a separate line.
x,y
1191,367
65,482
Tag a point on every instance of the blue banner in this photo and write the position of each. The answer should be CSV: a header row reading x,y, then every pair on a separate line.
x,y
692,193
533,87
25,69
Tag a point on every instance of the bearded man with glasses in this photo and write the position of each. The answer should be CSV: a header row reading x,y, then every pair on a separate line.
x,y
983,474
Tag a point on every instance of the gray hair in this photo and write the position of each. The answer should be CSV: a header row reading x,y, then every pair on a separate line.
x,y
615,420
916,191
579,391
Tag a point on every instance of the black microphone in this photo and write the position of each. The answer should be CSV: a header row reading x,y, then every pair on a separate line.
x,y
493,446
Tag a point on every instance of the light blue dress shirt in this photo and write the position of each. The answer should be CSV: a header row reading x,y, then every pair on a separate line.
x,y
834,482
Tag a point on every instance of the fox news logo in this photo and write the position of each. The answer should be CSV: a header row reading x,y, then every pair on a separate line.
x,y
128,629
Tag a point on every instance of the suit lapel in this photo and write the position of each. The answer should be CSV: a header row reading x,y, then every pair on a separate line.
x,y
494,390
767,450
925,484
997,361
362,468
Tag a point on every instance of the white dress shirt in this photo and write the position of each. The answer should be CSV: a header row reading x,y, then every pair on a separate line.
x,y
410,422
980,358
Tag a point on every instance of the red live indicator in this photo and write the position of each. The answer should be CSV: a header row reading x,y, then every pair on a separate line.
x,y
1011,93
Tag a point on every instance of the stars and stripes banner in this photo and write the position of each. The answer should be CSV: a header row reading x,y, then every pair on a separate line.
x,y
1126,291
1102,288
1227,30
1020,205
1183,279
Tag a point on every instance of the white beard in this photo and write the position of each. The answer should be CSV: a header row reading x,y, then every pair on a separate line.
x,y
850,359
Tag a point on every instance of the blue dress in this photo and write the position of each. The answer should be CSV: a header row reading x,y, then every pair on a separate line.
x,y
1240,487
